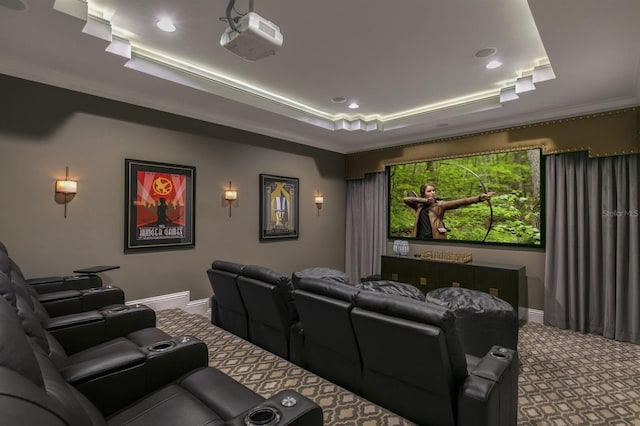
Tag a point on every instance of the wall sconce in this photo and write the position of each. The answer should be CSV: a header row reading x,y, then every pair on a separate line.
x,y
65,190
319,201
230,195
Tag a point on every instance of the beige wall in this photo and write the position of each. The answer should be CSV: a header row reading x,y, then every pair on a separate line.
x,y
44,129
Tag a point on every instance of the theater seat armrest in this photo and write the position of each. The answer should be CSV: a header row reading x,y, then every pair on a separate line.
x,y
58,295
96,298
488,395
44,280
169,360
82,330
45,285
495,364
72,320
124,319
74,301
78,331
303,412
82,372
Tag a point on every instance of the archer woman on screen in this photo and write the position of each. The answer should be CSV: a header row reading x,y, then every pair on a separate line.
x,y
430,211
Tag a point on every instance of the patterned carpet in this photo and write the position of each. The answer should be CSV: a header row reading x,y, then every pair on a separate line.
x,y
267,374
566,378
569,378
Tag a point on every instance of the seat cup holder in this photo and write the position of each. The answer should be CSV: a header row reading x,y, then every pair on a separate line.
x,y
500,355
262,416
162,346
119,309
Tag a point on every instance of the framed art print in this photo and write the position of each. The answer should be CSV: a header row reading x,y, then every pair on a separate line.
x,y
159,206
278,207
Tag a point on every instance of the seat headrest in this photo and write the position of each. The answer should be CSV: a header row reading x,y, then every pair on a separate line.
x,y
466,300
404,307
223,265
333,289
322,273
393,287
267,275
3,248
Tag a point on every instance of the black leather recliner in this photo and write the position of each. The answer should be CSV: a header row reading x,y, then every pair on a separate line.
x,y
84,329
227,307
67,301
270,308
329,346
34,392
56,283
146,358
414,364
402,354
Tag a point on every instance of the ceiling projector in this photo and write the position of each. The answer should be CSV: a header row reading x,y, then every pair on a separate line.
x,y
253,38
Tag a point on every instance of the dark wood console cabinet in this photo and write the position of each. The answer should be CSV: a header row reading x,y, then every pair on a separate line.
x,y
503,281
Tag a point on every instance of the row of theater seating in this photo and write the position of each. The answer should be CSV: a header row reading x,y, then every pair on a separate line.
x,y
398,352
113,366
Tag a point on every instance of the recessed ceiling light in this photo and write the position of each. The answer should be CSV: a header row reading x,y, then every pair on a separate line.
x,y
486,52
339,100
165,24
493,64
354,105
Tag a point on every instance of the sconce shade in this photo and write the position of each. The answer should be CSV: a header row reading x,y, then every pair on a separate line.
x,y
67,186
319,201
230,195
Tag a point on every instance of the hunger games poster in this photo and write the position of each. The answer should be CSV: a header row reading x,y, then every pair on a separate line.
x,y
159,206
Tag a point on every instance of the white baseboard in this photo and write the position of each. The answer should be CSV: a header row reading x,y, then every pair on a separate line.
x,y
535,315
179,300
531,315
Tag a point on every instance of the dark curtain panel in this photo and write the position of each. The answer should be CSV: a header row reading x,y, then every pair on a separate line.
x,y
366,236
592,272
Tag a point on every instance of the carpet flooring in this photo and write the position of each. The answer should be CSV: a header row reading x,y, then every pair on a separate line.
x,y
566,378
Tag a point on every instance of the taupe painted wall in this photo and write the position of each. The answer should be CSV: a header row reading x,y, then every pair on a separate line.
x,y
43,129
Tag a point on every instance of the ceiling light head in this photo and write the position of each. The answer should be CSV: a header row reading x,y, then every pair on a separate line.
x,y
354,105
486,52
166,25
493,64
339,100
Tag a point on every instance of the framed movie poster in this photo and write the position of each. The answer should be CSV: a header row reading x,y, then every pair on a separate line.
x,y
159,206
278,207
